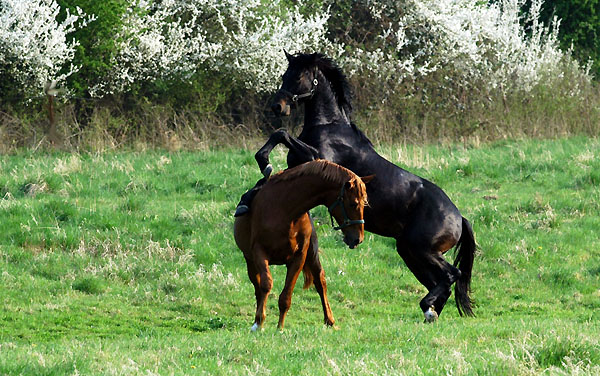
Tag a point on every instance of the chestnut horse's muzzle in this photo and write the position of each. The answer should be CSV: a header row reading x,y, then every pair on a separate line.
x,y
352,242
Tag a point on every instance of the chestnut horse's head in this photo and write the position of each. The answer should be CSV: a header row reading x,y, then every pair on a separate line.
x,y
348,210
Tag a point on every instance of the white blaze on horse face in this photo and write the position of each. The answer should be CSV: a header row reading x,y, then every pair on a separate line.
x,y
254,327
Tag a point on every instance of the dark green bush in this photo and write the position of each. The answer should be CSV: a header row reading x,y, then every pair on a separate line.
x,y
579,27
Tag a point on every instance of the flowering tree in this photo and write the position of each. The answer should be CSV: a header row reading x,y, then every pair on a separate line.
x,y
34,49
493,43
254,39
155,41
470,41
173,38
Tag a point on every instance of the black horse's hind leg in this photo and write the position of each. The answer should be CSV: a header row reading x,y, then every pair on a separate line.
x,y
301,151
433,303
434,272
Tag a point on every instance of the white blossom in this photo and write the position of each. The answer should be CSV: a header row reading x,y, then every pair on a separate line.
x,y
476,41
156,42
34,49
245,39
253,50
472,42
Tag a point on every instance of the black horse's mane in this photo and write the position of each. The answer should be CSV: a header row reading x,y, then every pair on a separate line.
x,y
335,76
332,72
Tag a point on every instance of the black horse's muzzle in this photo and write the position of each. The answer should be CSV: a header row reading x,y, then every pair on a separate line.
x,y
281,108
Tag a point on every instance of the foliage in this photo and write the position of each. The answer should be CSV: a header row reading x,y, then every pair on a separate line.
x,y
172,40
97,42
131,44
475,45
580,28
124,263
222,59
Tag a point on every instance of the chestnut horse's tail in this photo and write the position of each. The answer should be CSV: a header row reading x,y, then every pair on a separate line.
x,y
464,261
308,277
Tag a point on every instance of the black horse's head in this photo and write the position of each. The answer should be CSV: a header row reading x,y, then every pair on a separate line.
x,y
306,75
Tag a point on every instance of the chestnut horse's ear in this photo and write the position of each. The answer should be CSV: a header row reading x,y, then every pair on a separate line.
x,y
288,56
367,179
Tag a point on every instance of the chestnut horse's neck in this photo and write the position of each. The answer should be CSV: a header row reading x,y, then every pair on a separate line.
x,y
304,193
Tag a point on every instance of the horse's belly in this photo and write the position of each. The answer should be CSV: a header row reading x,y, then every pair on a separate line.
x,y
297,240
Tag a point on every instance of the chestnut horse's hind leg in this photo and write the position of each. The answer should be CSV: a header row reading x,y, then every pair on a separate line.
x,y
265,284
255,279
320,285
285,298
318,274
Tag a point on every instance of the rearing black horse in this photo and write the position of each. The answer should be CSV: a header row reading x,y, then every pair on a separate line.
x,y
414,211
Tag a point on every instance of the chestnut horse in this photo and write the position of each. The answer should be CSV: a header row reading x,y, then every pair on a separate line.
x,y
278,229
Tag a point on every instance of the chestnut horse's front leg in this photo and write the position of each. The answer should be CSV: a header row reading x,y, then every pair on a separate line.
x,y
303,151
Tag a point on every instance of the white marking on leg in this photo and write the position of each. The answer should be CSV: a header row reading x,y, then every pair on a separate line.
x,y
254,327
267,171
430,315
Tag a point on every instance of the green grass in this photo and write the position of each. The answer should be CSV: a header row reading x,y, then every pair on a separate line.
x,y
124,263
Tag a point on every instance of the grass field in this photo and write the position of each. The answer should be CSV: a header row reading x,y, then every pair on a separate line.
x,y
124,263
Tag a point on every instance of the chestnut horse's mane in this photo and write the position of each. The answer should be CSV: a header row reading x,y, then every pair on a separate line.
x,y
327,170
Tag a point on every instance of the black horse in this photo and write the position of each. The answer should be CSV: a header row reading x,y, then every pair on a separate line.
x,y
414,211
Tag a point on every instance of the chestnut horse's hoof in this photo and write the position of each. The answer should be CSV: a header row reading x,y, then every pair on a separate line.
x,y
430,315
255,328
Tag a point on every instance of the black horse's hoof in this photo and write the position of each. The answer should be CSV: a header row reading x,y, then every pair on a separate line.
x,y
267,171
431,315
241,210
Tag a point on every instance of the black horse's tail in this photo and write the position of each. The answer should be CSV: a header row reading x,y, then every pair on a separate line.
x,y
464,261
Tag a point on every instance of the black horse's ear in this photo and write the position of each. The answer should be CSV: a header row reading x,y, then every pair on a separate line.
x,y
367,179
288,56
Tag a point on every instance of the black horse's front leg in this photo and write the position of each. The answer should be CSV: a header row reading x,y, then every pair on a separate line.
x,y
302,151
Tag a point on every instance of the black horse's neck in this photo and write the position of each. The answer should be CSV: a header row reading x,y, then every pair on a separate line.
x,y
322,107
